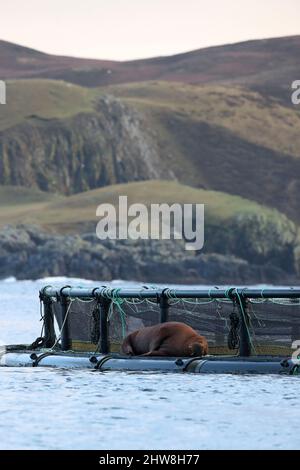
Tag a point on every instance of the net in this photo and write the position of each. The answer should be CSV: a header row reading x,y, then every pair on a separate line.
x,y
273,324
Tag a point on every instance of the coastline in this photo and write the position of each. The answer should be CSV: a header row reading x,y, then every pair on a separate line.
x,y
28,252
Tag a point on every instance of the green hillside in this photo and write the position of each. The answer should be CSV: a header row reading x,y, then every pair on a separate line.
x,y
247,114
42,99
57,211
67,139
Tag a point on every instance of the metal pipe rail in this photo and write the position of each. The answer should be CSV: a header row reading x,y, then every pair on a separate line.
x,y
152,293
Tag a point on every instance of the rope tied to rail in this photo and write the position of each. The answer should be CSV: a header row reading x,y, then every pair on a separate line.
x,y
170,295
38,343
40,340
116,300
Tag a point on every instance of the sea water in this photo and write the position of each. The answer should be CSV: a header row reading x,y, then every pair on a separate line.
x,y
44,408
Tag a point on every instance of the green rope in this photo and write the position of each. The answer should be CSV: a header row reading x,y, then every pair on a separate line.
x,y
197,302
227,292
116,300
171,294
286,303
151,302
258,301
134,301
85,301
262,293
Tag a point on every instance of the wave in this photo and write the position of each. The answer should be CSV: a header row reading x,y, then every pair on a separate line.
x,y
9,279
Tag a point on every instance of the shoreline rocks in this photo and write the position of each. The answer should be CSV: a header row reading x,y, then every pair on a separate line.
x,y
28,252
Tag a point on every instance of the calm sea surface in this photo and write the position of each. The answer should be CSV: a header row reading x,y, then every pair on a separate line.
x,y
66,409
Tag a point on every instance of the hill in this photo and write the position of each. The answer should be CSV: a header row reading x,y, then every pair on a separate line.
x,y
268,66
73,214
64,138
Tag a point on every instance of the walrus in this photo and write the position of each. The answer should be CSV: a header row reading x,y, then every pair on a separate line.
x,y
165,339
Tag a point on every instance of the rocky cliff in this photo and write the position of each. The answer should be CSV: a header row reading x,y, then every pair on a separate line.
x,y
110,145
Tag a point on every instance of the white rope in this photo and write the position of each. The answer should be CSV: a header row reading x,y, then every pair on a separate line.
x,y
62,326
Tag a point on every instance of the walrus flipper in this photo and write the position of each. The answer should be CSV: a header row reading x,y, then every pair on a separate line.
x,y
156,346
158,352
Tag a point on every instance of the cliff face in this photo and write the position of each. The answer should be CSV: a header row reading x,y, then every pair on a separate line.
x,y
61,138
110,145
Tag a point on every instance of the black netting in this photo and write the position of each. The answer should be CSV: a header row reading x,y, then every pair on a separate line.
x,y
83,320
273,324
209,318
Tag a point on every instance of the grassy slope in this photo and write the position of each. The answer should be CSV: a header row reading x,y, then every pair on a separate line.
x,y
245,113
14,196
225,138
70,214
44,99
17,204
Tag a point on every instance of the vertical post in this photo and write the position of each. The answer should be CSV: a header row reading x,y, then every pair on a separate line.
x,y
245,340
50,336
295,330
295,334
164,308
104,329
65,329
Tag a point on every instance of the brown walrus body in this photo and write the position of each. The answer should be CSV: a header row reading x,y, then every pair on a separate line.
x,y
165,339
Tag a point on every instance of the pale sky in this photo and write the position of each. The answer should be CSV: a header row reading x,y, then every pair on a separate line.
x,y
129,29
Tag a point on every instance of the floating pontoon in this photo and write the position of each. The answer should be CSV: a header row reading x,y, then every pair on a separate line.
x,y
250,331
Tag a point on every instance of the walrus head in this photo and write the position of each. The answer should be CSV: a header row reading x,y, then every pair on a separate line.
x,y
198,347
